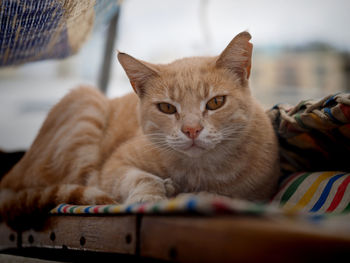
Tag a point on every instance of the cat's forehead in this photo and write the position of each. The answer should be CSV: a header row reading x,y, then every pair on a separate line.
x,y
197,65
183,92
190,78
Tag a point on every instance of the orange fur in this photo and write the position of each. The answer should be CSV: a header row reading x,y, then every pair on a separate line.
x,y
93,150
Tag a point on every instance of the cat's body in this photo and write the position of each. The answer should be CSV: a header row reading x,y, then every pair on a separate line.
x,y
193,126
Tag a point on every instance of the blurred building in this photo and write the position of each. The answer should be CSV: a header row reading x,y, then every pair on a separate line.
x,y
291,74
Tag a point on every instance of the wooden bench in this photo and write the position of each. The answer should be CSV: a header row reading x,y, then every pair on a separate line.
x,y
178,238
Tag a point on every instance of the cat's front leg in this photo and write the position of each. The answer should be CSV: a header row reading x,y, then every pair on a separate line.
x,y
140,186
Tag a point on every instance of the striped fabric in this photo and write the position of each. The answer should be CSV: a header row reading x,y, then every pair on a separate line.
x,y
320,192
302,194
186,203
208,206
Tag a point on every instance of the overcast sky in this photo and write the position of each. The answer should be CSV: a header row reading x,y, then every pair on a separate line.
x,y
178,25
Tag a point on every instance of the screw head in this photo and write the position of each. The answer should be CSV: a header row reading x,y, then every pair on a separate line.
x,y
30,239
82,241
52,236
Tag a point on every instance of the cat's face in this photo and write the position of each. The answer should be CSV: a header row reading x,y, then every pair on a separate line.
x,y
193,105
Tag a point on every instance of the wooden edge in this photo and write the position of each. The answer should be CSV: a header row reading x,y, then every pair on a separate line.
x,y
237,239
115,234
8,237
186,238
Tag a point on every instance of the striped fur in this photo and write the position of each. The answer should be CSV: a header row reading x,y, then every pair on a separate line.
x,y
94,150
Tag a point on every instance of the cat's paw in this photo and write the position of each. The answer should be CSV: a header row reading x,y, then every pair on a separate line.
x,y
105,200
170,187
94,196
151,189
143,198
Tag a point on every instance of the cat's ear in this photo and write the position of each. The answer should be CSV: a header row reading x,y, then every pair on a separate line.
x,y
237,56
137,71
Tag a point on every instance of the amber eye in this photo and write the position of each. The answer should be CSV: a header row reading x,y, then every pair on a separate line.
x,y
215,103
166,108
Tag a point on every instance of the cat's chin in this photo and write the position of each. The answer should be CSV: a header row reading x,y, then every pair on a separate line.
x,y
194,151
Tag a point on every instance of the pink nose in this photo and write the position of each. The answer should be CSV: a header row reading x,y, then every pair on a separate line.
x,y
192,132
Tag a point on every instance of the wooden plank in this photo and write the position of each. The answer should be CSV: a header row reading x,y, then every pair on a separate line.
x,y
238,239
8,237
115,234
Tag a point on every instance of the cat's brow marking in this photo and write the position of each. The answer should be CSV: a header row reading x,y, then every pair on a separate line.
x,y
205,89
203,105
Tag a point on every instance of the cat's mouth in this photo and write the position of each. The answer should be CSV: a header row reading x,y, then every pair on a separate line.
x,y
194,149
195,145
191,148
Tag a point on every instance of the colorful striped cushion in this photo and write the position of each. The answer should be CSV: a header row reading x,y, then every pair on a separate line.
x,y
303,194
184,203
318,192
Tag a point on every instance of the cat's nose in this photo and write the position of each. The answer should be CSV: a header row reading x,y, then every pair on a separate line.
x,y
192,131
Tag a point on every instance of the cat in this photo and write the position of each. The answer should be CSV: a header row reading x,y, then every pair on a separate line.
x,y
190,126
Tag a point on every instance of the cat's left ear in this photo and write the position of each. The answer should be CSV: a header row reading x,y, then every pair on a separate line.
x,y
237,56
138,72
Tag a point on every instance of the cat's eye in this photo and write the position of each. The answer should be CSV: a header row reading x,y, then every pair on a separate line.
x,y
215,103
166,108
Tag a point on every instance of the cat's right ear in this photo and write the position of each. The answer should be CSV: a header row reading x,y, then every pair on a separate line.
x,y
237,56
137,71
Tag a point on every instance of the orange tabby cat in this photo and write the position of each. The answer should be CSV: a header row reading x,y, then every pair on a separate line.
x,y
193,126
